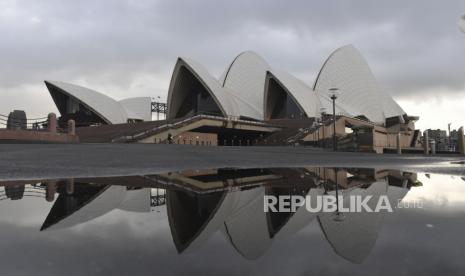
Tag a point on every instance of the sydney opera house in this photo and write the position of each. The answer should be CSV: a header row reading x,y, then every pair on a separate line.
x,y
251,103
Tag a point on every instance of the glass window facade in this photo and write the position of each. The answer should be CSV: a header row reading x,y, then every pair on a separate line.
x,y
71,109
194,98
280,105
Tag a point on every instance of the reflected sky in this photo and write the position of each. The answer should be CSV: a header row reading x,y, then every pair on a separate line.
x,y
212,222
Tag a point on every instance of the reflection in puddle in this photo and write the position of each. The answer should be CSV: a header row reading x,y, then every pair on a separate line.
x,y
200,203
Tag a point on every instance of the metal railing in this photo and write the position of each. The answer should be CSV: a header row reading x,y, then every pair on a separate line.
x,y
33,124
25,124
178,124
30,190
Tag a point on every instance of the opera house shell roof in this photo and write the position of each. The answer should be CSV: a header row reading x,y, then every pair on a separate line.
x,y
347,70
248,89
72,99
251,88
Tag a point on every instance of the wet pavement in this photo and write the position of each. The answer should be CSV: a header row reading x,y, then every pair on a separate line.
x,y
94,160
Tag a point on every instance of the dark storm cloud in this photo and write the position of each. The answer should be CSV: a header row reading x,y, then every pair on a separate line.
x,y
131,46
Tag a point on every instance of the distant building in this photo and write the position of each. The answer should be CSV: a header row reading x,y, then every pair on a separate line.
x,y
454,139
440,138
443,141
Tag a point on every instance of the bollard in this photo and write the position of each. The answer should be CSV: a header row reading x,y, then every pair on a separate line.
x,y
52,123
71,127
426,143
399,147
50,190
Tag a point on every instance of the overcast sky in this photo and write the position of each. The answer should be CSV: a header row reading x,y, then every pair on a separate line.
x,y
128,48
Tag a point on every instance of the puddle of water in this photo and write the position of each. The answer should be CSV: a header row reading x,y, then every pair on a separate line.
x,y
213,221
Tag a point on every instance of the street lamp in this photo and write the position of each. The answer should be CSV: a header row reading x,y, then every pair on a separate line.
x,y
333,93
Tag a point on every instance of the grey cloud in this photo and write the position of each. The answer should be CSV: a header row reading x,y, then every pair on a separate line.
x,y
127,45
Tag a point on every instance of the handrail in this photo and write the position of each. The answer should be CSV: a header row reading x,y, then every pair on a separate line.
x,y
16,120
36,124
127,138
30,126
31,119
30,191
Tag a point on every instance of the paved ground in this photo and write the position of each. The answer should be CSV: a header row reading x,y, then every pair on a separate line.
x,y
26,161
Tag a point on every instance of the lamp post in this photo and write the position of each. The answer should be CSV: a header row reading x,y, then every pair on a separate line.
x,y
333,92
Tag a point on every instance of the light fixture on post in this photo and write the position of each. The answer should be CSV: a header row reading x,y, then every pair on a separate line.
x,y
333,94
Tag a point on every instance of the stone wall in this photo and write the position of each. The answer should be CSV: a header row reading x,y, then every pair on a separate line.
x,y
30,136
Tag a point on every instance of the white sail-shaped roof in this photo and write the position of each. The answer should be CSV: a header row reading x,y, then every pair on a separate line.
x,y
105,107
304,95
245,77
140,107
240,91
347,70
215,90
